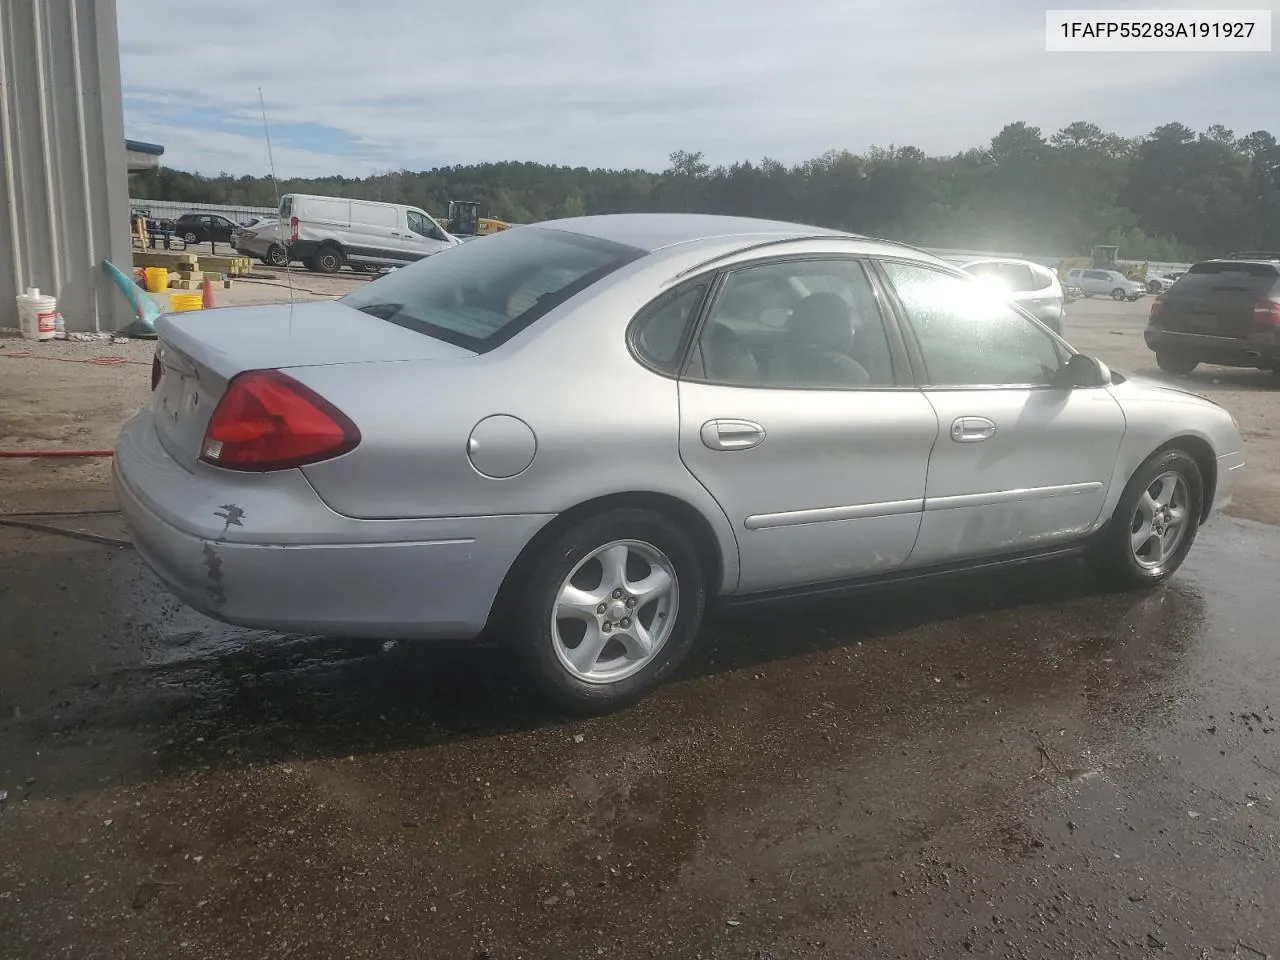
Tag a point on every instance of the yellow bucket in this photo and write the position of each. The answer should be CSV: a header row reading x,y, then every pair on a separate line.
x,y
181,302
157,279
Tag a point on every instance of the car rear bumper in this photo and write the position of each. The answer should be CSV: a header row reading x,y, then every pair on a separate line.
x,y
264,551
1227,351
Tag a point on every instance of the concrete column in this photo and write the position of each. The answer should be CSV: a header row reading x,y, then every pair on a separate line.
x,y
64,192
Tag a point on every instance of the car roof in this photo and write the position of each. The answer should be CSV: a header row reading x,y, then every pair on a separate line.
x,y
1257,261
974,261
655,231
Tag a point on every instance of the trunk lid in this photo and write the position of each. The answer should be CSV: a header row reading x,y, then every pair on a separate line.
x,y
1217,299
200,351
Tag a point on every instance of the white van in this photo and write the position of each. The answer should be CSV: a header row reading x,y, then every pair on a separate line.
x,y
327,232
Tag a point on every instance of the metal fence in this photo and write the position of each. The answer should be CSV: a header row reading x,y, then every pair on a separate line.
x,y
171,209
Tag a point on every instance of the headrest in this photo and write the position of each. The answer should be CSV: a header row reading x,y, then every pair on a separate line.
x,y
823,319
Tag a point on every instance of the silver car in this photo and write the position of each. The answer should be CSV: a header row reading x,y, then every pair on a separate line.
x,y
264,241
1032,286
577,436
1106,283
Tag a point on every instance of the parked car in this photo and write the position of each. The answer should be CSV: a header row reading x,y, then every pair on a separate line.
x,y
1034,287
1071,292
576,436
327,232
204,228
1106,283
1225,312
1161,283
264,241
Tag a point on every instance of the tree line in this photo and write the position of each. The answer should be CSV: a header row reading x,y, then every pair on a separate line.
x,y
1173,194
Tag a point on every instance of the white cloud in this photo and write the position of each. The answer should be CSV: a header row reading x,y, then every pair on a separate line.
x,y
606,83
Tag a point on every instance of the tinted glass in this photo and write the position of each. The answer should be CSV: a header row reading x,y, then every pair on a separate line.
x,y
811,323
970,337
479,294
662,328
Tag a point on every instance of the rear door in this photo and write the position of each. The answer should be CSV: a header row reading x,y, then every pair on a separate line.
x,y
1217,298
1019,463
798,414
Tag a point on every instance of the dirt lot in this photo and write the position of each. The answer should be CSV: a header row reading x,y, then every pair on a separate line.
x,y
1012,766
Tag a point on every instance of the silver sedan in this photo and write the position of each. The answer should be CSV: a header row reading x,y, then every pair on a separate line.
x,y
577,436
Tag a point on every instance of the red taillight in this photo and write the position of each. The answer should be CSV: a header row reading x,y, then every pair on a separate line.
x,y
156,371
268,421
293,228
1157,307
1266,313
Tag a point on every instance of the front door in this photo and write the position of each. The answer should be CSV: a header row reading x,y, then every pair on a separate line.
x,y
798,415
1020,462
423,237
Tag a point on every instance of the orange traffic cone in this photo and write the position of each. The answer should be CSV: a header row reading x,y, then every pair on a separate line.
x,y
206,294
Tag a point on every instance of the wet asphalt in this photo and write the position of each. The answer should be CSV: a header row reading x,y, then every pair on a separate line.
x,y
1012,765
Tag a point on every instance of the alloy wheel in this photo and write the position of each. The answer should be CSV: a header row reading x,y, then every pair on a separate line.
x,y
1160,520
615,611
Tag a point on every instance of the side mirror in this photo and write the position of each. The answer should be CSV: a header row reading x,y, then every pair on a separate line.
x,y
1084,372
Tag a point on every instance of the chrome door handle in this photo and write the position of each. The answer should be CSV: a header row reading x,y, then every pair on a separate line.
x,y
972,429
732,434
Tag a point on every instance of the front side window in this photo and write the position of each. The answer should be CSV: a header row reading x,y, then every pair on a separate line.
x,y
970,337
420,224
478,295
797,323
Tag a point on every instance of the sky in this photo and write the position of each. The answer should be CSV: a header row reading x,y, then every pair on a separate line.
x,y
357,88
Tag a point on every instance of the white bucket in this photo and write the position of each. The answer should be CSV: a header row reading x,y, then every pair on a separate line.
x,y
37,315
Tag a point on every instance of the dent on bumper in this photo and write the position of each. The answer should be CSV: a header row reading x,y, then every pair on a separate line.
x,y
378,579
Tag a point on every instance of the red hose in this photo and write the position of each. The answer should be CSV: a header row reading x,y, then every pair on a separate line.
x,y
40,454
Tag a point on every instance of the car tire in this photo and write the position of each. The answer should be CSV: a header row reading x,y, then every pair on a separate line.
x,y
1175,362
328,259
276,256
1153,287
189,237
1168,481
584,559
1117,294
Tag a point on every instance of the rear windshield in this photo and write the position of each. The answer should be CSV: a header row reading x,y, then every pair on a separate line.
x,y
483,292
286,208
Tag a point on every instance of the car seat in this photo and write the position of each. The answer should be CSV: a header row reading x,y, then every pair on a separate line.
x,y
820,340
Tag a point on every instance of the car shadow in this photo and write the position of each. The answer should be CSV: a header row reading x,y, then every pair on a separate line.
x,y
265,698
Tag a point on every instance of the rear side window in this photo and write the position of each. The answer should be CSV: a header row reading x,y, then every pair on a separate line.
x,y
660,332
286,208
478,295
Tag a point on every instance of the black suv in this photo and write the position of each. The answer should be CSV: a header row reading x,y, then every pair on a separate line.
x,y
1220,311
203,228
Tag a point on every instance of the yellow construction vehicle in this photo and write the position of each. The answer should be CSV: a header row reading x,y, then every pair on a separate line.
x,y
464,220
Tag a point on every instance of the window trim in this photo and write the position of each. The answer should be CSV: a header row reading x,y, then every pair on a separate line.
x,y
687,338
913,339
903,369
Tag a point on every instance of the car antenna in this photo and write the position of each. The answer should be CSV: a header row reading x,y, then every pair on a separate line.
x,y
275,184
